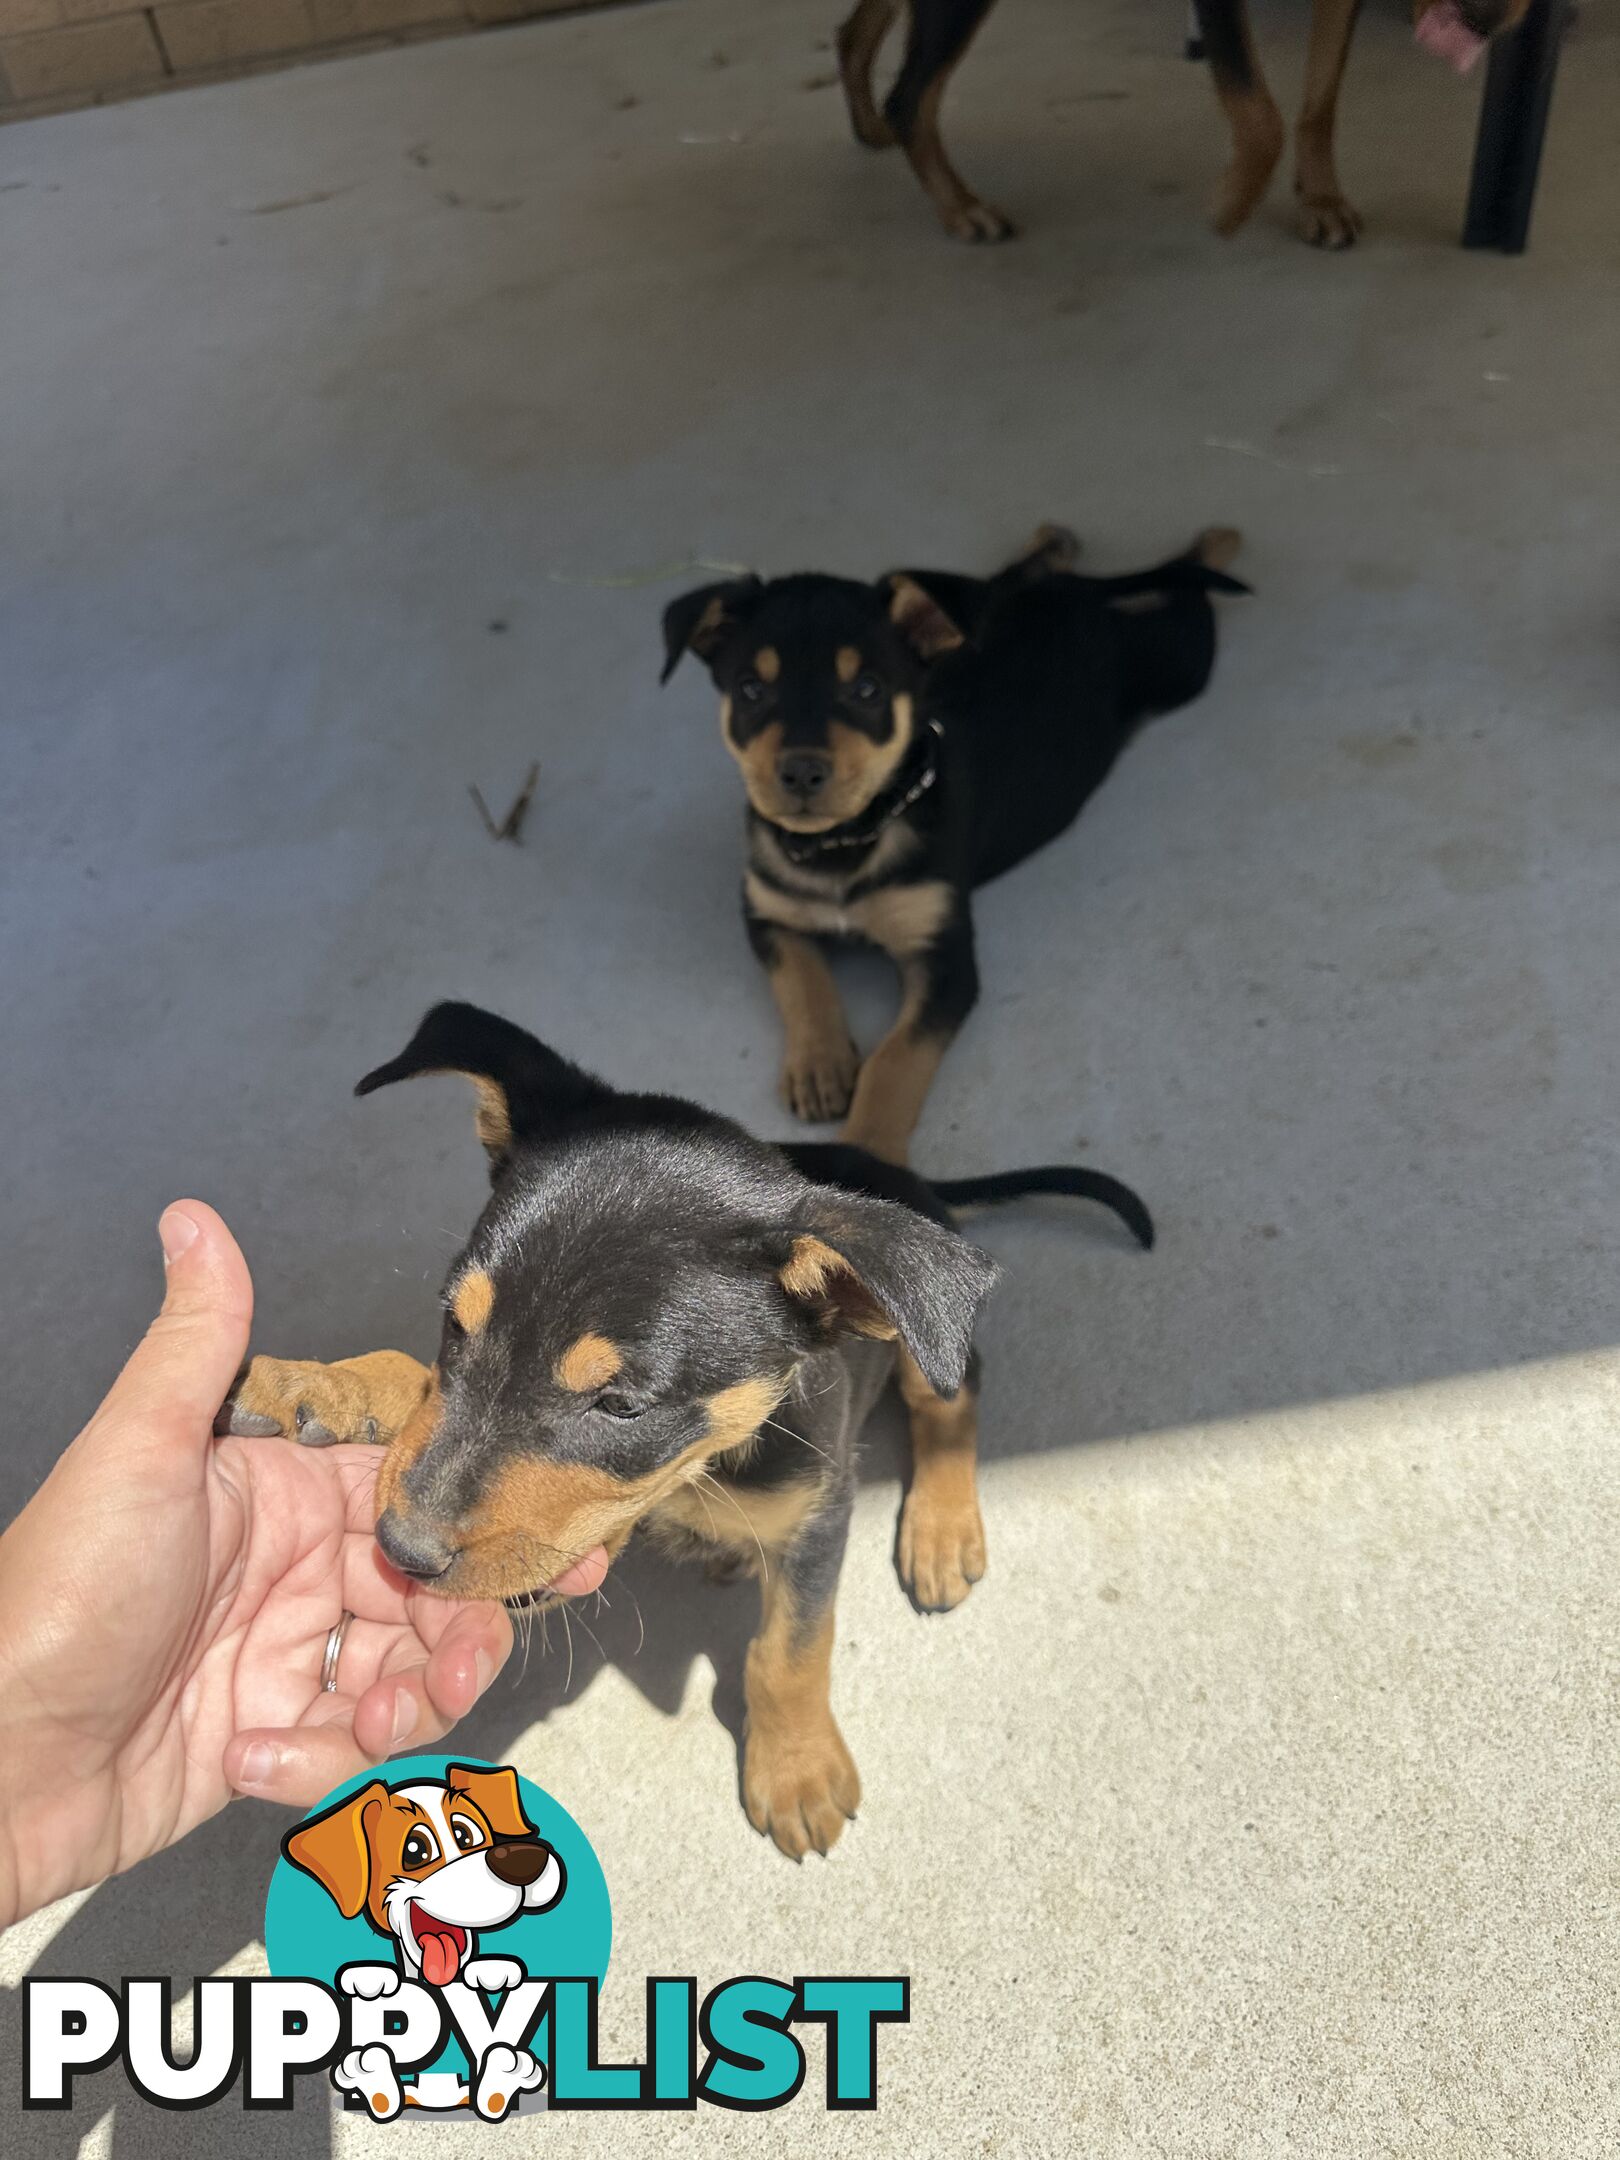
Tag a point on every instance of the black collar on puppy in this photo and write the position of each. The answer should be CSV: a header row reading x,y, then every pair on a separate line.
x,y
917,776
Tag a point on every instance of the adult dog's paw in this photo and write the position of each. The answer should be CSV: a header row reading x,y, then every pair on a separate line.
x,y
316,1405
818,1078
370,2072
503,2076
1328,221
976,221
800,1788
941,1548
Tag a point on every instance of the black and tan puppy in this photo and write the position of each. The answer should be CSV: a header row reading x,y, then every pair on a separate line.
x,y
659,1320
904,742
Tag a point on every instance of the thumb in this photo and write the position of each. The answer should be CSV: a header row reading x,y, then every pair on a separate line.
x,y
183,1367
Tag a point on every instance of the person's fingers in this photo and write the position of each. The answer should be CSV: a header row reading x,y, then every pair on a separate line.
x,y
466,1658
296,1766
182,1369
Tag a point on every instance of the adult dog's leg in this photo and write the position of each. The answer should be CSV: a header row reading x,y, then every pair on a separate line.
x,y
941,31
941,1549
362,1398
1251,111
819,1060
799,1780
1325,218
858,40
939,988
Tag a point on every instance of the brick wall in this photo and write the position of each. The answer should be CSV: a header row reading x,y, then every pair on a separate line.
x,y
58,53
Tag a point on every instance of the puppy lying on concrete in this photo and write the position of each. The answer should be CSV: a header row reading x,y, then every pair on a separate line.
x,y
660,1321
903,743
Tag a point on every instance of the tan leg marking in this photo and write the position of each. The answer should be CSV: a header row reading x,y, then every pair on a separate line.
x,y
858,40
961,212
800,1784
941,1550
820,1061
1326,219
366,1398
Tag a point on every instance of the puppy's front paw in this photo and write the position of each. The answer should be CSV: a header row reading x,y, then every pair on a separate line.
x,y
316,1405
492,1975
818,1078
941,1552
1328,221
800,1789
369,1982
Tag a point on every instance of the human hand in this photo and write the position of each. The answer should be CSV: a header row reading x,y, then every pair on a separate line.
x,y
165,1604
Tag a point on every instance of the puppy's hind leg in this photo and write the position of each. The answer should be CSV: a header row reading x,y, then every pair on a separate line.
x,y
941,31
859,38
941,1551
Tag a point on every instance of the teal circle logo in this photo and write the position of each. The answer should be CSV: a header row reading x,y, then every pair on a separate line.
x,y
442,1872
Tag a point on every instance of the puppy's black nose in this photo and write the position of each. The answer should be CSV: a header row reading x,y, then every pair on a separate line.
x,y
804,773
519,1864
413,1547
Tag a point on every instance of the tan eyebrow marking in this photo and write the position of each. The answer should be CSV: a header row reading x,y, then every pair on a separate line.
x,y
847,660
473,1301
589,1362
767,663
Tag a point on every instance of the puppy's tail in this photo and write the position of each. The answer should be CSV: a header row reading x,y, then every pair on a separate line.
x,y
1078,1184
1167,622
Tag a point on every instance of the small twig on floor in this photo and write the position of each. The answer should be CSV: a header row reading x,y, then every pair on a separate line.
x,y
510,826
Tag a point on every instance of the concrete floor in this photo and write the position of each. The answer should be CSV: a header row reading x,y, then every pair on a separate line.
x,y
1261,1800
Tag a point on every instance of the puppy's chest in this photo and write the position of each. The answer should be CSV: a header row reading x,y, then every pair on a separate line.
x,y
899,917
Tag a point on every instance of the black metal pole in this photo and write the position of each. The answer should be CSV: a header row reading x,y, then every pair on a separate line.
x,y
1512,128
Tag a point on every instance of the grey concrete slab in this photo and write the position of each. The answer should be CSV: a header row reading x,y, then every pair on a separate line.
x,y
1260,1800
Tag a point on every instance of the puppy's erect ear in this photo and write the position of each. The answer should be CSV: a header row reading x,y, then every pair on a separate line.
x,y
919,618
698,620
496,1795
881,1269
336,1849
524,1090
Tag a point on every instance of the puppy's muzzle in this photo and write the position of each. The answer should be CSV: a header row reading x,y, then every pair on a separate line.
x,y
518,1864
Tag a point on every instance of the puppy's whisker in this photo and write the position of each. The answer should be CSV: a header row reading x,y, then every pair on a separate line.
x,y
764,1564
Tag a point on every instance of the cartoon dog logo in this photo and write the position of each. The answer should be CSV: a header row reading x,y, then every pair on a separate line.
x,y
433,1864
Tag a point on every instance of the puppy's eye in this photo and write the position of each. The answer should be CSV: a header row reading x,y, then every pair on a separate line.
x,y
419,1849
619,1406
467,1834
750,689
866,689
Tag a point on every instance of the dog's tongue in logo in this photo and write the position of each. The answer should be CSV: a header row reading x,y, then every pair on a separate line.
x,y
442,1944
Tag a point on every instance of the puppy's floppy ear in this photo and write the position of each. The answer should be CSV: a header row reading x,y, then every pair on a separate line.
x,y
524,1090
336,1849
881,1269
698,620
496,1795
919,617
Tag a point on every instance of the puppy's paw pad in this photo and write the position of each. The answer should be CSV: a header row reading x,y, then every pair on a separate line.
x,y
800,1792
817,1083
370,2073
1328,221
976,222
504,2075
941,1551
